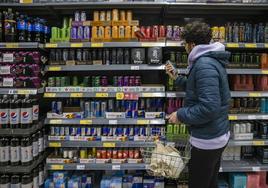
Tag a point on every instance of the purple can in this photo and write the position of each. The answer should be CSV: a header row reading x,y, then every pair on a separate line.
x,y
104,131
126,81
77,16
120,81
86,33
137,81
169,32
137,131
80,32
176,32
104,81
83,16
132,81
74,33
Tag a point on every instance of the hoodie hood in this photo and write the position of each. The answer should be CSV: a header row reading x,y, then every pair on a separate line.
x,y
215,50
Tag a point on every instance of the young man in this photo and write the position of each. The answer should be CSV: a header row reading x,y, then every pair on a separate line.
x,y
206,103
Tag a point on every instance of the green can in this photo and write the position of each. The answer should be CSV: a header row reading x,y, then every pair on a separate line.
x,y
75,81
97,81
51,82
169,129
86,81
67,81
62,82
176,129
58,81
170,84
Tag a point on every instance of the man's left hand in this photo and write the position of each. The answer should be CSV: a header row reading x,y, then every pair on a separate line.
x,y
172,118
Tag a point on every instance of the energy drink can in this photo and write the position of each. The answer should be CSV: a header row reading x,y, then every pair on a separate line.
x,y
57,131
120,131
78,131
110,105
134,108
127,106
54,106
126,56
98,108
132,81
114,56
155,32
162,31
126,131
103,108
58,82
93,111
170,129
108,15
143,131
83,131
126,79
104,131
66,131
148,33
52,131
98,131
83,16
248,127
75,81
120,81
109,153
115,81
83,154
86,34
51,82
115,153
72,131
235,33
59,107
137,131
87,110
104,81
121,32
80,32
176,32
243,128
65,55
77,17
129,15
169,32
62,132
93,131
215,33
137,81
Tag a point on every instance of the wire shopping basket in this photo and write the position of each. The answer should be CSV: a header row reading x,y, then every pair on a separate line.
x,y
166,160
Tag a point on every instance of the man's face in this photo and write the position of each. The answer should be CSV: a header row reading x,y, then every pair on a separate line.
x,y
189,47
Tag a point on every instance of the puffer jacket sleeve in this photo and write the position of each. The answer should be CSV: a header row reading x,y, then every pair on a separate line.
x,y
208,92
181,81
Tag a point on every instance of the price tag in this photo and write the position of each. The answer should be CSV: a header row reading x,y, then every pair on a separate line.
x,y
119,96
150,44
251,117
54,144
26,1
49,95
24,92
76,95
76,45
4,70
8,82
51,45
86,122
135,68
56,167
171,95
108,145
55,121
264,71
266,45
147,95
12,45
232,117
232,45
250,45
8,58
258,143
80,167
142,122
96,44
264,117
54,68
102,95
113,122
256,169
116,167
254,94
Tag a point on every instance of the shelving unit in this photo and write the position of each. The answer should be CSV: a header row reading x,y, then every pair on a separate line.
x,y
20,132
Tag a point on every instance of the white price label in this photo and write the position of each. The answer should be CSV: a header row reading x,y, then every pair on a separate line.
x,y
171,95
112,122
8,58
264,117
135,68
251,117
116,167
80,167
256,169
5,70
8,82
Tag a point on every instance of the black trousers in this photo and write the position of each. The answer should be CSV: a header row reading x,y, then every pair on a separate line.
x,y
204,168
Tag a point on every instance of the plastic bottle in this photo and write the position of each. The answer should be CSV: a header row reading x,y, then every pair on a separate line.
x,y
47,33
37,30
35,111
15,181
40,142
14,113
9,26
26,181
4,181
42,29
36,178
35,146
41,175
30,30
26,119
14,151
26,151
4,112
21,28
4,151
1,27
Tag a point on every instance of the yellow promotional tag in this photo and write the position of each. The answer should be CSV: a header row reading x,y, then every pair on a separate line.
x,y
54,68
86,122
250,45
142,122
119,96
102,95
96,44
76,45
258,143
254,94
147,94
49,95
266,45
56,167
232,117
232,45
55,121
12,45
24,92
76,95
54,144
108,145
264,71
51,45
149,44
26,1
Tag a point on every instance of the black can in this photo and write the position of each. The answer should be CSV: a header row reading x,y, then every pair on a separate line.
x,y
120,56
114,55
126,56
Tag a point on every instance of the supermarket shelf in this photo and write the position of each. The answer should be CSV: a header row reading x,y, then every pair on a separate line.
x,y
248,117
28,45
94,166
52,68
103,44
233,94
255,142
20,132
23,169
20,91
102,121
243,166
88,144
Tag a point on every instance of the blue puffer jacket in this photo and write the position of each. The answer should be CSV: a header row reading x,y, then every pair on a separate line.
x,y
207,96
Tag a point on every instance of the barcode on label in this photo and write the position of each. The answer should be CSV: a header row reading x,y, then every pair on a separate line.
x,y
5,70
8,58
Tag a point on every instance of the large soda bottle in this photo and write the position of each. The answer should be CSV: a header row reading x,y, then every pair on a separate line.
x,y
9,26
30,30
1,27
26,115
4,151
14,113
35,111
37,30
47,33
4,112
42,30
21,28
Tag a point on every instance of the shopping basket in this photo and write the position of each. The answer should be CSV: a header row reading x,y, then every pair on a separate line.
x,y
167,161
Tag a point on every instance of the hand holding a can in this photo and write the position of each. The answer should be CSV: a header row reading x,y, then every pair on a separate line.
x,y
171,70
173,118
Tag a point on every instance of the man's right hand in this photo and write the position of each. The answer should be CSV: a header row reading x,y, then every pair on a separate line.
x,y
171,70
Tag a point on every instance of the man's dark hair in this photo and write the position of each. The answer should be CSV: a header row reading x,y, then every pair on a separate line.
x,y
197,32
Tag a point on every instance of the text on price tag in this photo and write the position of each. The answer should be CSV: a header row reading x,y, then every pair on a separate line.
x,y
113,122
232,117
26,1
55,121
55,144
76,45
12,45
96,44
54,68
232,45
119,96
142,122
254,94
251,45
56,167
256,169
80,167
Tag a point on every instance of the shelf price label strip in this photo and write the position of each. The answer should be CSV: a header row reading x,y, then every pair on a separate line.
x,y
258,143
76,45
232,45
51,45
232,118
96,44
55,121
250,45
12,45
54,68
254,94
